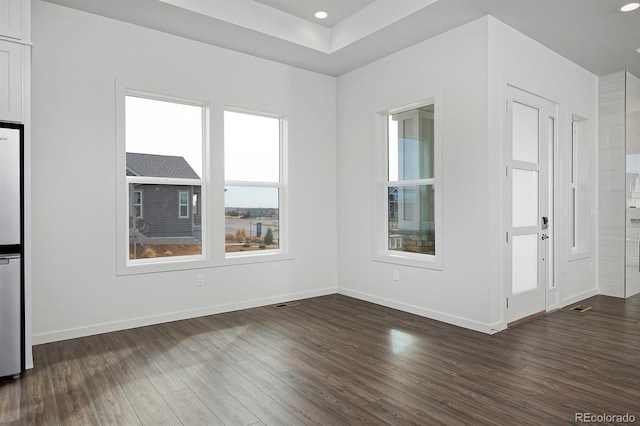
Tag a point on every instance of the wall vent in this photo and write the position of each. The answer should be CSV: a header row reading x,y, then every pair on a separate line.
x,y
580,308
286,305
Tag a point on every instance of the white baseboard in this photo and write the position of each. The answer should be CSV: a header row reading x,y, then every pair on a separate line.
x,y
72,333
613,291
578,297
427,313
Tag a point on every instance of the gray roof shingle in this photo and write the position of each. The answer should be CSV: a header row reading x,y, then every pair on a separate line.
x,y
167,166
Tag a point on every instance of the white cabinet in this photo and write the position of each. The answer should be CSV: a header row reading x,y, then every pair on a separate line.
x,y
11,81
14,50
11,18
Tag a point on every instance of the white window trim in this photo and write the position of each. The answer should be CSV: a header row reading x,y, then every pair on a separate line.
x,y
124,265
380,231
212,195
576,145
281,253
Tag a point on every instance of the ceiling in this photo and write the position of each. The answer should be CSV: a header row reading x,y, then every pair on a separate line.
x,y
591,33
305,9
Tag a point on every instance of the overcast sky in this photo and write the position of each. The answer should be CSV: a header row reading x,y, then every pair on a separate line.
x,y
251,144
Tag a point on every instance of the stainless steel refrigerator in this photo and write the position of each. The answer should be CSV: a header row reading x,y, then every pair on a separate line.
x,y
11,250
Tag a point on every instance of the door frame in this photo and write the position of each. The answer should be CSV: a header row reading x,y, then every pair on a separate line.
x,y
548,112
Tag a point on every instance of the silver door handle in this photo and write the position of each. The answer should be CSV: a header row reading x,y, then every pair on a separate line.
x,y
545,237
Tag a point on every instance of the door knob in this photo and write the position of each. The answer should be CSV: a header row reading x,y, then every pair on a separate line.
x,y
545,237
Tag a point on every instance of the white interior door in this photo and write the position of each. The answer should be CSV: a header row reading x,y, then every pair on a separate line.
x,y
528,140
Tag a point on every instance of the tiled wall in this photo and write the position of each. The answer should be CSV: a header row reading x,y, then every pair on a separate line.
x,y
612,184
632,279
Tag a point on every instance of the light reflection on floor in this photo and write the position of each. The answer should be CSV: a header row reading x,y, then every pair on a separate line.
x,y
400,341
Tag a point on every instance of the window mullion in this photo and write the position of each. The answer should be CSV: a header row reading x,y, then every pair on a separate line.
x,y
164,181
431,181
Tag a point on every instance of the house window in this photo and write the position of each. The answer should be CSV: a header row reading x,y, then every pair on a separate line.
x,y
163,149
578,187
137,204
183,204
409,190
411,181
168,158
254,187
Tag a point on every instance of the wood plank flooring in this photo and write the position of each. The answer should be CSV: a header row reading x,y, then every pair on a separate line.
x,y
335,360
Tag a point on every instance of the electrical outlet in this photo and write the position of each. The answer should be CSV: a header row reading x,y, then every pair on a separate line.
x,y
396,275
199,280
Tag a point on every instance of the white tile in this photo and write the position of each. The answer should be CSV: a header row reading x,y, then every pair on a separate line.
x,y
611,137
609,180
611,246
612,159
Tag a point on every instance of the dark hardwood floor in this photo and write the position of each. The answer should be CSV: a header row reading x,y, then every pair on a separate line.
x,y
334,360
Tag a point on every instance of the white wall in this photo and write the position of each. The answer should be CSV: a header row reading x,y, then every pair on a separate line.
x,y
454,67
520,61
468,67
76,59
78,56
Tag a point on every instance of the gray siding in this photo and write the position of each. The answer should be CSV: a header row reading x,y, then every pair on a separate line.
x,y
160,210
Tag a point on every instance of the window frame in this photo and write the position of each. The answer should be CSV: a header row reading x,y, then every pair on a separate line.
x,y
281,186
380,231
125,265
579,200
573,185
211,205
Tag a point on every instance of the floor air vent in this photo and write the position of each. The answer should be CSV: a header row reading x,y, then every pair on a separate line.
x,y
580,308
286,305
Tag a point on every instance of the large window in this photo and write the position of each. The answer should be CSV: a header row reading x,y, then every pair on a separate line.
x,y
199,185
164,167
253,182
410,190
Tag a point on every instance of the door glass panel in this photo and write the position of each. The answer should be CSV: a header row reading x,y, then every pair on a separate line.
x,y
525,133
525,198
524,275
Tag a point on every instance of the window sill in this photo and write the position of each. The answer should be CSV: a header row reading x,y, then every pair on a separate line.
x,y
254,257
406,259
199,262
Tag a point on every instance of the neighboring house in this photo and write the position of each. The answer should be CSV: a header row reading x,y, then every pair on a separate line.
x,y
163,211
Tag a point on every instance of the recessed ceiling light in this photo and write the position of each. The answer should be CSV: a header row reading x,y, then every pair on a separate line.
x,y
321,14
629,7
